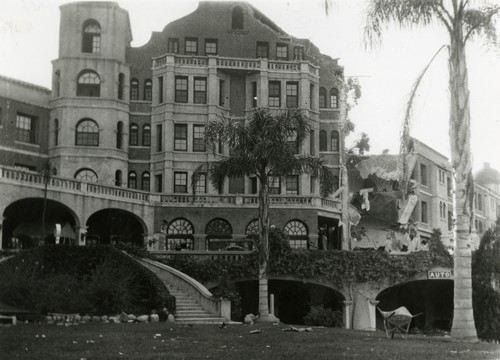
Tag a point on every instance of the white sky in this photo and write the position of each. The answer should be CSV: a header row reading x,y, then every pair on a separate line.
x,y
29,31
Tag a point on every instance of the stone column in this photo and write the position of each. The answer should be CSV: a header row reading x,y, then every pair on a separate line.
x,y
347,313
199,242
372,308
1,231
80,233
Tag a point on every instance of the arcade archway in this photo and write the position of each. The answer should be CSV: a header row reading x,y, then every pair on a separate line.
x,y
432,298
23,226
111,226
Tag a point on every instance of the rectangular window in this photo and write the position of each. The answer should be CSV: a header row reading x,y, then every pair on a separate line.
x,y
312,142
450,220
180,182
292,185
298,53
274,94
292,94
191,46
25,128
201,184
159,183
200,90
293,143
173,45
423,212
222,92
211,47
199,138
442,176
423,174
281,51
254,94
311,96
274,185
159,137
262,49
160,89
449,187
181,89
180,137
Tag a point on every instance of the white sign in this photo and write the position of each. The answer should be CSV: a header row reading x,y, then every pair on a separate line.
x,y
440,274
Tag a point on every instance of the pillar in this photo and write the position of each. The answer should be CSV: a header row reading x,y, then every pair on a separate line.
x,y
80,233
372,308
347,313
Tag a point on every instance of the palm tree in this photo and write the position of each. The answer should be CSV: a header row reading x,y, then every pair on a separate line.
x,y
462,22
265,146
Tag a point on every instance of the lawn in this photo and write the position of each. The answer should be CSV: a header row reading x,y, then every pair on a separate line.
x,y
170,341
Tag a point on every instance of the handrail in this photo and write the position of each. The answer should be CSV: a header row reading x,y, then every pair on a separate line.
x,y
192,287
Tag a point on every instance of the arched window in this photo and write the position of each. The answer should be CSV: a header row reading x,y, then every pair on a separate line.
x,y
237,18
91,37
134,89
323,141
322,97
87,133
56,132
180,235
334,138
118,178
119,134
252,229
121,85
219,234
146,135
86,175
89,84
132,180
148,90
334,98
297,233
146,181
133,135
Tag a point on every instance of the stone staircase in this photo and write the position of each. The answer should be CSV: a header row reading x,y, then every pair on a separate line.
x,y
189,311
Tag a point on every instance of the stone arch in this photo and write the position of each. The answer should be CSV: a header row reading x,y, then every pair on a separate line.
x,y
298,233
112,225
219,234
22,223
180,235
433,299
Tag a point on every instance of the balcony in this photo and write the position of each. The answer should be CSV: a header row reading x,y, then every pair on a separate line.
x,y
235,63
36,180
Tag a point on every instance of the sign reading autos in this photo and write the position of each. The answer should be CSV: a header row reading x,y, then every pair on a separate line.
x,y
440,274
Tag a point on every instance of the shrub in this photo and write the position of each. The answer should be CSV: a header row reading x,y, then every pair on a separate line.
x,y
320,316
97,280
486,276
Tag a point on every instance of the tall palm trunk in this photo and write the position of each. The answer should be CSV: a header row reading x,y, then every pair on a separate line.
x,y
463,318
263,249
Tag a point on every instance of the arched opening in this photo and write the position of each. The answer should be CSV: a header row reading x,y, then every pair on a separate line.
x,y
292,299
134,89
91,37
219,234
323,143
297,233
238,17
334,138
148,90
146,181
111,226
119,135
133,136
89,84
118,178
146,135
121,85
87,133
132,180
22,225
432,298
322,97
180,235
86,175
334,98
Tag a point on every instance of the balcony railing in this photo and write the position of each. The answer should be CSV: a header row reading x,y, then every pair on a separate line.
x,y
235,63
17,176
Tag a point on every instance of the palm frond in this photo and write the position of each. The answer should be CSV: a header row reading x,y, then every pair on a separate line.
x,y
403,13
232,167
481,22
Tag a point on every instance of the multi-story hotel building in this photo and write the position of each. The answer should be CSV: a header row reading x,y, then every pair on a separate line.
x,y
128,123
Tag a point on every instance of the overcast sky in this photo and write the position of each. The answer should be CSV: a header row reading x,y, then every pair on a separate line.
x,y
29,42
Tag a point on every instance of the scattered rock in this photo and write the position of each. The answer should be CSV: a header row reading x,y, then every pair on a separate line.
x,y
86,318
96,318
132,317
154,318
123,317
170,318
143,318
250,319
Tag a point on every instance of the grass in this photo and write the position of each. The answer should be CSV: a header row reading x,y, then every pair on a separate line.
x,y
141,341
